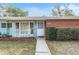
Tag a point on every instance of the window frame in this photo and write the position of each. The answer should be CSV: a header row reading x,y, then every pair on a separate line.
x,y
9,25
40,25
26,30
2,26
17,25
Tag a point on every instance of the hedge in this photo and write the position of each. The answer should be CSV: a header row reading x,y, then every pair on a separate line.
x,y
62,33
51,33
67,34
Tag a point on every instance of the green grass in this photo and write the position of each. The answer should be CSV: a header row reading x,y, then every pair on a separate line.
x,y
17,47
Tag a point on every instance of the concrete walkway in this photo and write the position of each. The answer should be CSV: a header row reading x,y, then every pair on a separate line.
x,y
41,47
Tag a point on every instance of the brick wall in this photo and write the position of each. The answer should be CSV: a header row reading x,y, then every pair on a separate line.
x,y
62,23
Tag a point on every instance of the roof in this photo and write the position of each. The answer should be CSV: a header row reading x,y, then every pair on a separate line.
x,y
40,18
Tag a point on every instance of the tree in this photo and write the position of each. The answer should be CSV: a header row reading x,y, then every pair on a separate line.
x,y
59,11
56,11
68,11
12,11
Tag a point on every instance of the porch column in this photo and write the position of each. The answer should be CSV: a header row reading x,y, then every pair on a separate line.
x,y
7,29
29,30
19,34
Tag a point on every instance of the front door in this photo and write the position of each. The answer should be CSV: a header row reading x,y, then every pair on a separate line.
x,y
40,28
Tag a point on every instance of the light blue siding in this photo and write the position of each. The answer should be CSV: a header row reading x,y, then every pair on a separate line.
x,y
12,31
2,30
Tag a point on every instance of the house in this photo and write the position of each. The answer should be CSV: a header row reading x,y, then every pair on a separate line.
x,y
34,26
22,26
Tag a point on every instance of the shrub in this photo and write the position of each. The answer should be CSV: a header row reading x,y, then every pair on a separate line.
x,y
75,34
62,34
67,34
51,33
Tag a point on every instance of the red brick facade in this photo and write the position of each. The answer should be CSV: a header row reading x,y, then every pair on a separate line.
x,y
62,23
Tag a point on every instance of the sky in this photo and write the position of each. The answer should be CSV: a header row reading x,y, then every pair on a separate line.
x,y
42,9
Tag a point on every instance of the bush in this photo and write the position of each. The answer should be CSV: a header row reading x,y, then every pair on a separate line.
x,y
67,34
51,33
62,34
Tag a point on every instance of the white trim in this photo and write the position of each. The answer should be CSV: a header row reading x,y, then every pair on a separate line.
x,y
28,34
19,28
40,18
29,27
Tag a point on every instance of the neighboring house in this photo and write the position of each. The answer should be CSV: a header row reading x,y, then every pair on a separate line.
x,y
34,26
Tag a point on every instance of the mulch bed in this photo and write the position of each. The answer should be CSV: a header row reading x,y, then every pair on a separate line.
x,y
24,39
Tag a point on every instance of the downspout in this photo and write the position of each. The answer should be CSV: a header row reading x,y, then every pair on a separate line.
x,y
45,29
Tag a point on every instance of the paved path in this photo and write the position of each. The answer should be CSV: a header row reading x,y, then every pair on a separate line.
x,y
41,47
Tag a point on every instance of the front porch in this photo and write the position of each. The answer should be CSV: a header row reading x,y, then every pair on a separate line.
x,y
25,29
22,28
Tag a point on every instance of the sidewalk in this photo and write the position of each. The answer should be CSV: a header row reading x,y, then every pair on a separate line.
x,y
41,47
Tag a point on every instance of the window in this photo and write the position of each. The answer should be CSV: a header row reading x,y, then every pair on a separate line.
x,y
3,25
17,25
24,28
6,25
40,25
9,25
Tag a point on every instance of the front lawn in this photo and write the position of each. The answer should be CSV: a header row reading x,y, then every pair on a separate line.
x,y
63,47
17,47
